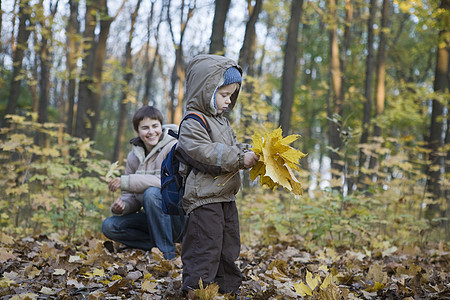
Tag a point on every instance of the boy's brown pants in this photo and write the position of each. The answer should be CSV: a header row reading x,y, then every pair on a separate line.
x,y
211,245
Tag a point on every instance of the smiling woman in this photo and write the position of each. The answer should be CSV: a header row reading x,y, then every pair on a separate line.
x,y
140,186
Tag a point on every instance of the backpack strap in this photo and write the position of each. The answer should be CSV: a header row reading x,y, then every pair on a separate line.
x,y
195,116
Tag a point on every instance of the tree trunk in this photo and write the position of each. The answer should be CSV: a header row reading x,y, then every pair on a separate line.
x,y
60,104
180,92
13,25
441,86
247,52
44,86
175,103
90,86
73,29
18,54
348,180
290,67
123,108
218,29
446,188
247,62
33,84
84,90
1,22
269,25
45,66
381,74
100,53
367,92
150,65
334,109
176,88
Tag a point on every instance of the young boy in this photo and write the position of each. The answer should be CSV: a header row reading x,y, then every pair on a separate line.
x,y
141,188
211,243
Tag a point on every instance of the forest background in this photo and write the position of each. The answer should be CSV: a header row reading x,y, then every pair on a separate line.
x,y
364,83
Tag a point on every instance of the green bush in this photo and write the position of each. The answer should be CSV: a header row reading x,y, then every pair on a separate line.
x,y
56,188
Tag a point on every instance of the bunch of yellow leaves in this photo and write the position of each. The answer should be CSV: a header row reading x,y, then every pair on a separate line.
x,y
277,160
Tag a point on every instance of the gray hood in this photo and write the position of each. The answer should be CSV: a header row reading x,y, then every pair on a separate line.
x,y
204,75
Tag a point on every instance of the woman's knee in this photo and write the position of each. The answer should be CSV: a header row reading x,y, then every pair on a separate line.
x,y
107,227
152,196
153,192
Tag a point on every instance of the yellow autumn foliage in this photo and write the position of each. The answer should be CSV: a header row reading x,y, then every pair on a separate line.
x,y
277,161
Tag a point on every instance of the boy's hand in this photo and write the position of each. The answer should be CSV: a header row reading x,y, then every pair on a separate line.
x,y
118,206
114,184
250,159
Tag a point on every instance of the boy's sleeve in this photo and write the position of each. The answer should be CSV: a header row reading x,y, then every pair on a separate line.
x,y
196,148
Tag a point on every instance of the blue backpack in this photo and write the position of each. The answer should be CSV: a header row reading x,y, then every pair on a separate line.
x,y
172,183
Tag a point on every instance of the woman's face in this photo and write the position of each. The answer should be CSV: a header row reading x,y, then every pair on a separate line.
x,y
149,130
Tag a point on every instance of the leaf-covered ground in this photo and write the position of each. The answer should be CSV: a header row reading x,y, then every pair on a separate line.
x,y
47,268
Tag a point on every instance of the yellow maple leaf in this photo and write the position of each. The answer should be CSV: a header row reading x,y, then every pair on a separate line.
x,y
326,282
6,239
211,291
257,170
116,277
311,280
377,286
302,289
277,161
98,272
149,286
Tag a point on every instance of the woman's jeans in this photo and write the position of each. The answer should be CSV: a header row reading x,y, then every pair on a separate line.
x,y
146,229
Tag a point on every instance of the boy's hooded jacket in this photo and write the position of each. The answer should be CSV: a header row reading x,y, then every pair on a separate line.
x,y
143,171
215,155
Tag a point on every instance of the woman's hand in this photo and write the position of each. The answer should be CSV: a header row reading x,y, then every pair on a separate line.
x,y
250,159
118,206
114,184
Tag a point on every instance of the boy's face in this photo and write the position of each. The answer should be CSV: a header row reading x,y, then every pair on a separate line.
x,y
149,130
223,96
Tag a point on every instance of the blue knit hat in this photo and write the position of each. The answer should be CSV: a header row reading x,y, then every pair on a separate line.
x,y
231,75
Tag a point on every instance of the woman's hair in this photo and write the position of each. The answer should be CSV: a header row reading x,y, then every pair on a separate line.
x,y
146,112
